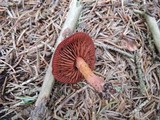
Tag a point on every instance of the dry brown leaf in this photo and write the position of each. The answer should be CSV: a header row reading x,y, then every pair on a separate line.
x,y
102,2
129,44
31,2
121,106
2,9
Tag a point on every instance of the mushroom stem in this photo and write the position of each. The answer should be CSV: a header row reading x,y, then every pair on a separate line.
x,y
95,81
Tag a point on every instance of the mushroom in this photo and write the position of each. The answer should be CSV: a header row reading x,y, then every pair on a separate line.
x,y
74,60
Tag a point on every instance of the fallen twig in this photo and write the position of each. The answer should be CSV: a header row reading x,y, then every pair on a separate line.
x,y
114,49
152,23
68,27
140,74
137,110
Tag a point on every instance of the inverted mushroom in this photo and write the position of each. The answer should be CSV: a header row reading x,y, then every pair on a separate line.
x,y
74,60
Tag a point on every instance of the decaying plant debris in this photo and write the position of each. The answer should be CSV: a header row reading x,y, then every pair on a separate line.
x,y
28,33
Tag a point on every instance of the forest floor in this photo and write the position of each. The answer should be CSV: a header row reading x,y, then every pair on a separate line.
x,y
125,55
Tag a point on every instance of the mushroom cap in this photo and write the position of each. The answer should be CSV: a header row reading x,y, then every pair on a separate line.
x,y
64,60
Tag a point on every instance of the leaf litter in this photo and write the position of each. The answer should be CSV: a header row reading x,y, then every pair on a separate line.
x,y
125,56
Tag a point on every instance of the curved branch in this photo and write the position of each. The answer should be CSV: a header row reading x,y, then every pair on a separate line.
x,y
40,106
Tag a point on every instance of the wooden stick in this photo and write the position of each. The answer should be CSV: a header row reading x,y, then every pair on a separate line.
x,y
68,27
152,23
71,20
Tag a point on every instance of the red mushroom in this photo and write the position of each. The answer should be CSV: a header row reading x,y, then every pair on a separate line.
x,y
74,60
